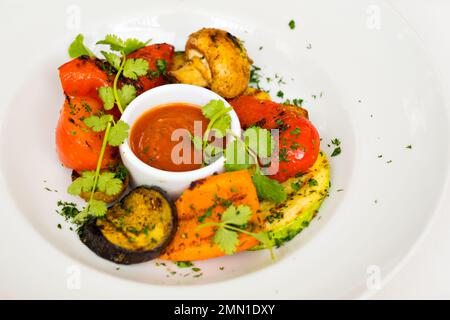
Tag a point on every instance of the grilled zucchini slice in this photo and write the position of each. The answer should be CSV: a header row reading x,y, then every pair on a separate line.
x,y
306,193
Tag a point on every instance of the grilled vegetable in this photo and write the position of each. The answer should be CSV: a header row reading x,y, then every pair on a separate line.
x,y
203,202
215,59
83,76
299,141
136,229
120,172
159,58
77,145
305,195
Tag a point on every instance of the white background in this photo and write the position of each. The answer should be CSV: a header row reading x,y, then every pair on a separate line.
x,y
426,274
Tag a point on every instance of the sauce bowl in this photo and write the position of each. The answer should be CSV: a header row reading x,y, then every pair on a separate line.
x,y
172,182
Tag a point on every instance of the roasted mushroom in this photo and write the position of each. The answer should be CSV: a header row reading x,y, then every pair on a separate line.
x,y
136,229
215,59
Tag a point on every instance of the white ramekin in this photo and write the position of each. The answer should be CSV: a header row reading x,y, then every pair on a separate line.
x,y
172,182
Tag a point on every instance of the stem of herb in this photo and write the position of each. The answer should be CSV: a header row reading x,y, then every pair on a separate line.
x,y
116,95
249,150
100,159
210,124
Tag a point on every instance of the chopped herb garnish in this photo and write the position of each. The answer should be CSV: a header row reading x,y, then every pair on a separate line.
x,y
336,152
184,264
292,24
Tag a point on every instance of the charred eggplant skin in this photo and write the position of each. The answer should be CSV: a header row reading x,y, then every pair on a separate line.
x,y
92,236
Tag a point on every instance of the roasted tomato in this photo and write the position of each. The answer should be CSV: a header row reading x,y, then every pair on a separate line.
x,y
299,141
83,76
152,54
78,147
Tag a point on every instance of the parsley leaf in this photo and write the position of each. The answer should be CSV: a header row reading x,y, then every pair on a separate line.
x,y
268,189
107,96
77,48
118,133
134,68
96,123
336,152
227,240
126,94
292,24
108,184
336,141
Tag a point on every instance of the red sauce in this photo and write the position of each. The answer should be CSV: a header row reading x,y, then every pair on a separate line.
x,y
150,136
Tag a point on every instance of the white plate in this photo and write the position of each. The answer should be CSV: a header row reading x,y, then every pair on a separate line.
x,y
379,94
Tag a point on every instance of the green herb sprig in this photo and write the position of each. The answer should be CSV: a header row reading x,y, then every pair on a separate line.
x,y
115,132
233,221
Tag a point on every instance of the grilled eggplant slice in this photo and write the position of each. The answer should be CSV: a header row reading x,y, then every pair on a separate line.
x,y
134,230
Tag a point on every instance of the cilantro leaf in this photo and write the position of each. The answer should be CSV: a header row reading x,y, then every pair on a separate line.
x,y
197,142
268,189
107,96
114,42
117,44
237,216
227,240
96,123
77,48
221,125
118,133
236,156
97,208
108,184
126,94
212,108
82,184
113,59
134,68
260,141
133,44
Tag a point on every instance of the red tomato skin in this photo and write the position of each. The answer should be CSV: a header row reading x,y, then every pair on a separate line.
x,y
83,76
151,54
77,146
298,149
